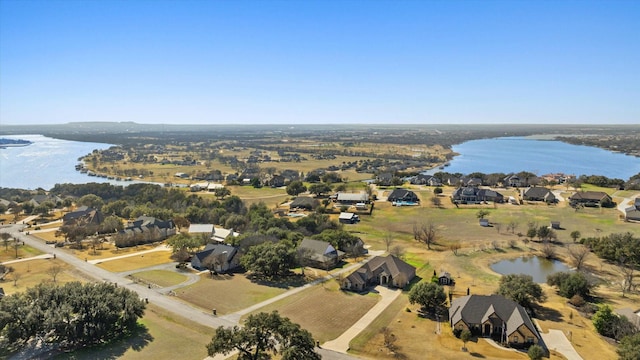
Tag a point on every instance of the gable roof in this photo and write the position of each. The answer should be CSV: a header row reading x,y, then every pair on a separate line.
x,y
216,249
537,192
359,197
305,202
346,216
201,228
402,194
476,309
316,246
590,196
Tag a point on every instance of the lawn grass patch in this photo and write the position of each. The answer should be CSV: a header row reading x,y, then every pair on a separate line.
x,y
160,335
34,272
137,262
227,293
324,310
24,251
162,278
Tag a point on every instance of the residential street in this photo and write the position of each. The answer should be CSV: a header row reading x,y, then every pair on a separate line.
x,y
158,297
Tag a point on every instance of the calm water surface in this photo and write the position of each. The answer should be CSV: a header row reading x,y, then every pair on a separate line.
x,y
515,154
538,267
44,163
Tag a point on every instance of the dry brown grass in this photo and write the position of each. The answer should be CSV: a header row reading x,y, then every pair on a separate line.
x,y
24,251
324,310
137,262
226,293
34,272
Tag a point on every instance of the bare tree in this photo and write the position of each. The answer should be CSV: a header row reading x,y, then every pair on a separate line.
x,y
512,226
436,201
425,233
389,340
548,250
16,276
397,251
54,271
454,247
578,254
16,246
498,227
303,255
388,240
627,269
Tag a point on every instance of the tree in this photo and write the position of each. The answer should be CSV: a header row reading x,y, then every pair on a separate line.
x,y
521,289
91,200
5,240
430,296
628,348
570,283
575,235
16,276
388,240
482,213
184,242
181,222
270,259
465,336
436,201
262,336
54,271
319,188
454,247
536,352
604,320
221,193
296,187
425,233
578,254
437,191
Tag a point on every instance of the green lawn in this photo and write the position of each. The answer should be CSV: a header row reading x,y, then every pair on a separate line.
x,y
162,278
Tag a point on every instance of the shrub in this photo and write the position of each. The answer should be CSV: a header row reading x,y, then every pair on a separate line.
x,y
536,352
577,301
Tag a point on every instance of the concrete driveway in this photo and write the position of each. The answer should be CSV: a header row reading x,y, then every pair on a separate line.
x,y
556,340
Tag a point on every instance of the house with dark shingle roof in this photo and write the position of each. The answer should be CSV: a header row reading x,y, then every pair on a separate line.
x,y
320,254
592,198
222,258
304,202
473,195
494,316
403,195
539,194
83,215
381,270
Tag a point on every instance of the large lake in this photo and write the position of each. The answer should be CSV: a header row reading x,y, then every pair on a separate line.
x,y
48,161
515,154
44,163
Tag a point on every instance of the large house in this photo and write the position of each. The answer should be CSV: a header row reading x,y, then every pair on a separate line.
x,y
494,316
154,229
592,198
205,230
403,195
319,254
422,179
83,216
352,198
216,257
473,195
539,194
381,270
304,202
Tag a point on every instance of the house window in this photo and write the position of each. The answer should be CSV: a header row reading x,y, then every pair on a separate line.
x,y
530,339
515,339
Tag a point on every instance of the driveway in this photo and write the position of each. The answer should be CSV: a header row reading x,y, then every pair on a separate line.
x,y
341,343
556,340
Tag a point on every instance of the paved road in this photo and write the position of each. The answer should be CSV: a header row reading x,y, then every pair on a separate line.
x,y
167,302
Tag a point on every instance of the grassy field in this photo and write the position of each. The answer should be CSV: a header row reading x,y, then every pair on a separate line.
x,y
137,262
227,293
8,253
324,310
161,335
34,272
162,278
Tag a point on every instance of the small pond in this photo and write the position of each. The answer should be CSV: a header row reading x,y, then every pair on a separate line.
x,y
538,267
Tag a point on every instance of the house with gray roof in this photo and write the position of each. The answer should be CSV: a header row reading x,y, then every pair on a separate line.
x,y
380,270
220,258
83,216
304,202
632,213
494,316
352,198
474,195
403,195
536,193
592,198
319,254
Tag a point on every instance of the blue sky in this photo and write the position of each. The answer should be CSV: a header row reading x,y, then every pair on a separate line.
x,y
318,62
